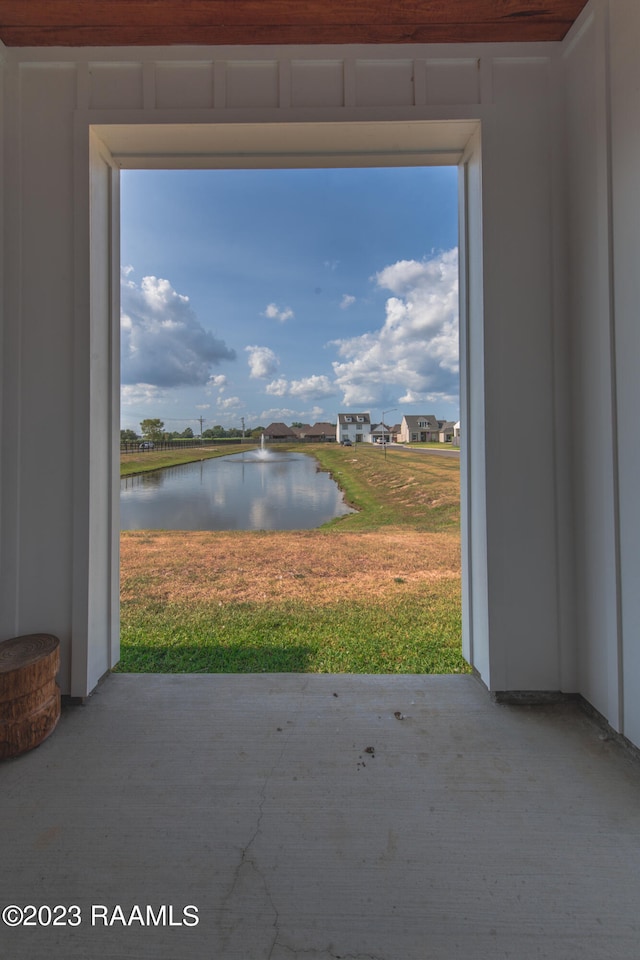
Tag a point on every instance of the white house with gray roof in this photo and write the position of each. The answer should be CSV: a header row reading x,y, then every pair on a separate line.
x,y
355,427
421,428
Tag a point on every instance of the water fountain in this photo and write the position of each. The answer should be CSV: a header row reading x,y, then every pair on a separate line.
x,y
263,453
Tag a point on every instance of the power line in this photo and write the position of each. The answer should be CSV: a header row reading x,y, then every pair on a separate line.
x,y
173,419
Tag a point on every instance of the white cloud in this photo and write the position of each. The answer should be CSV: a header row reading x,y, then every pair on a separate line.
x,y
277,388
229,403
404,275
262,361
311,388
417,347
412,397
273,312
218,383
135,394
203,406
162,341
314,387
287,414
347,301
277,415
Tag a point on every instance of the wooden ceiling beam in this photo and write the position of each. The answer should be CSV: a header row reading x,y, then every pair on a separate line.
x,y
72,13
171,22
287,35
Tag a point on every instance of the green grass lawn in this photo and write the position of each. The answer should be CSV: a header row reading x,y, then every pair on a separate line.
x,y
421,636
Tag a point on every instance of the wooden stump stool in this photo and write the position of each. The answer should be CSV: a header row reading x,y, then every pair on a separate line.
x,y
29,694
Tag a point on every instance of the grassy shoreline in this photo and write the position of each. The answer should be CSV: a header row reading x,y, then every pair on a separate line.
x,y
402,489
377,591
145,461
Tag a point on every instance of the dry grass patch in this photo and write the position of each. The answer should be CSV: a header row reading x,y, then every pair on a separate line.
x,y
248,567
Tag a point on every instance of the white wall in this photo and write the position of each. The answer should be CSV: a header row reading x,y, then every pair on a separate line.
x,y
602,78
473,463
57,549
36,569
524,316
520,414
625,168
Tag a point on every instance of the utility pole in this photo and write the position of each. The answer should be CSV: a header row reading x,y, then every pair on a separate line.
x,y
242,422
384,444
201,421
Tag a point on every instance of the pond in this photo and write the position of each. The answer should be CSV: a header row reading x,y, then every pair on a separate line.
x,y
259,490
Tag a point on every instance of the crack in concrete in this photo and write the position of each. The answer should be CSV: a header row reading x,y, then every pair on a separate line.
x,y
248,862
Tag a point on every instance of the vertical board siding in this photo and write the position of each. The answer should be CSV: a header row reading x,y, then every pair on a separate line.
x,y
590,320
311,83
44,391
625,84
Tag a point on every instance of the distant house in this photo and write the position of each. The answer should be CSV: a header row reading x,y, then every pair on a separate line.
x,y
301,432
355,427
456,434
280,431
446,431
423,428
319,432
380,431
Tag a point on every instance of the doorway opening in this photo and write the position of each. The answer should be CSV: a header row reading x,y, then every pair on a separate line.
x,y
290,305
113,147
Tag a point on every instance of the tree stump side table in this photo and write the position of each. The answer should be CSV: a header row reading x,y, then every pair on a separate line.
x,y
29,694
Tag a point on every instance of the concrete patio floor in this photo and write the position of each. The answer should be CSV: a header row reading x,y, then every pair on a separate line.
x,y
322,817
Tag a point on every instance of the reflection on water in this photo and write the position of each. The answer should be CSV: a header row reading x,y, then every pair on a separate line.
x,y
238,492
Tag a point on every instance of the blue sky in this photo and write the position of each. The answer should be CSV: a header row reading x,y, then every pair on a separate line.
x,y
288,295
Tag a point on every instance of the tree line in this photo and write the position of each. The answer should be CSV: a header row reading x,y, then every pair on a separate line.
x,y
153,430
